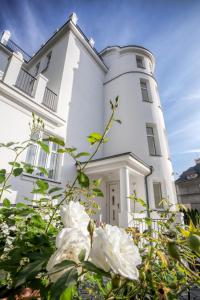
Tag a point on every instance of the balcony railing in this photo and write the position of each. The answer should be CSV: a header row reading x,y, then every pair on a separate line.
x,y
25,82
50,99
12,46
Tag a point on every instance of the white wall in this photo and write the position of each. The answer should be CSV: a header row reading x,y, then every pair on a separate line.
x,y
134,114
3,60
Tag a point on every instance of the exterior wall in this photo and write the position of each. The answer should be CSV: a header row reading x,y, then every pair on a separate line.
x,y
15,121
123,79
188,193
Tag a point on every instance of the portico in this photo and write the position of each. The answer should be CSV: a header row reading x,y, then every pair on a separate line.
x,y
122,175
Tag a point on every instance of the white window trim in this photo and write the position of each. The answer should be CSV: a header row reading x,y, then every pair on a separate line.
x,y
147,89
143,62
156,139
57,170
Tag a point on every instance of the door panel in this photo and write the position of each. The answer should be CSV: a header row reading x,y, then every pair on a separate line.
x,y
114,203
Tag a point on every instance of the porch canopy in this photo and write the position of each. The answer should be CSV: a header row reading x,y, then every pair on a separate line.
x,y
122,167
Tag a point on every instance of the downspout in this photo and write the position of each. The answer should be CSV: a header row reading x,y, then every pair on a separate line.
x,y
147,191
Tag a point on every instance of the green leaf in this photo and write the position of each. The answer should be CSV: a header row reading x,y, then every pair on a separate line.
x,y
173,250
65,264
6,203
66,150
54,189
15,164
29,271
194,242
44,146
81,255
68,293
94,137
98,192
43,185
83,179
82,154
2,175
67,280
17,171
28,168
43,170
55,140
97,182
92,268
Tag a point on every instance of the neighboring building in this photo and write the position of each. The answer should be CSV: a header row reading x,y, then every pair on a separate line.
x,y
188,187
69,84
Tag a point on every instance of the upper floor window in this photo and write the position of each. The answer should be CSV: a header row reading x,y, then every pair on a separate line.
x,y
36,70
145,89
140,62
157,189
37,157
47,61
152,140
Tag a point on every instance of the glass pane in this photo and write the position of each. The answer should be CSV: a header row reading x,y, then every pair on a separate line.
x,y
150,131
139,62
52,166
143,84
151,143
157,194
31,154
145,96
54,147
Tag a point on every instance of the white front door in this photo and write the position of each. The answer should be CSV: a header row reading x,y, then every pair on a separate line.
x,y
114,203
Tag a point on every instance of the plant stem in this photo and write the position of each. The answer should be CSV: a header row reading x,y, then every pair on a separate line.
x,y
108,126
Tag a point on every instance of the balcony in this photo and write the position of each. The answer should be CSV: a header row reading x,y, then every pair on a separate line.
x,y
35,87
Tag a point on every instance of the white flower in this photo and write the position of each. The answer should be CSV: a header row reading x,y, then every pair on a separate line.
x,y
70,242
73,215
114,249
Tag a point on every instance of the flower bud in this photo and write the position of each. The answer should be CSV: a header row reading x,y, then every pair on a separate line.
x,y
116,282
91,227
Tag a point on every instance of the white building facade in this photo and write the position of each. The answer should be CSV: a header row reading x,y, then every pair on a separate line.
x,y
69,85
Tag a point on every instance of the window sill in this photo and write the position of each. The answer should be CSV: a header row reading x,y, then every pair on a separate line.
x,y
147,101
155,155
141,68
35,177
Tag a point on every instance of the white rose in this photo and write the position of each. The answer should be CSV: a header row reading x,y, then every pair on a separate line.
x,y
73,215
114,249
70,242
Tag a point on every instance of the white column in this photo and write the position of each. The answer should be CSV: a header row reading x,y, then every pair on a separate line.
x,y
125,209
5,37
14,65
39,88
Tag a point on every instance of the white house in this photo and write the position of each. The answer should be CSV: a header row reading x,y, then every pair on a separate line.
x,y
69,85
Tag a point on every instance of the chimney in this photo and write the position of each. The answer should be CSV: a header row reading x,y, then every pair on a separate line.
x,y
5,37
91,42
73,17
197,161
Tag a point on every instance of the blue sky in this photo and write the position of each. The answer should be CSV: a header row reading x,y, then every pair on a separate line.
x,y
169,28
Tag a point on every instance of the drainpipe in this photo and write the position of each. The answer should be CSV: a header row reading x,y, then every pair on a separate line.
x,y
147,191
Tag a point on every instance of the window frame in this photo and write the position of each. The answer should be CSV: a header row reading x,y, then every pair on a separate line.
x,y
46,159
157,206
153,136
142,66
145,91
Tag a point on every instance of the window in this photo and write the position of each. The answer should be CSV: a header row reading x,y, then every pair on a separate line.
x,y
38,157
151,140
157,194
145,91
37,67
140,62
47,61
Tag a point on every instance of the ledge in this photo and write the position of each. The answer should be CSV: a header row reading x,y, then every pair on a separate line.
x,y
35,177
